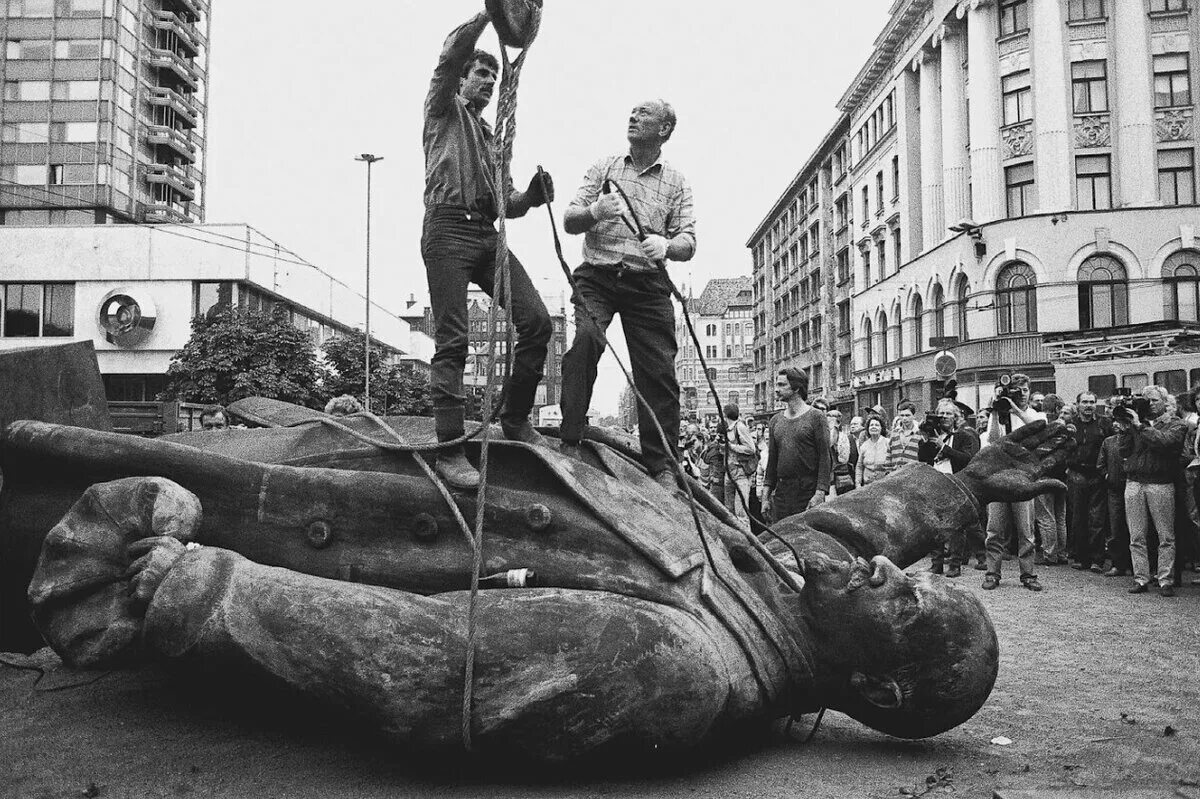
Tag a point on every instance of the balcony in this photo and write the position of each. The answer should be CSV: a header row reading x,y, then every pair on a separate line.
x,y
185,112
172,176
173,68
163,136
164,213
193,8
189,37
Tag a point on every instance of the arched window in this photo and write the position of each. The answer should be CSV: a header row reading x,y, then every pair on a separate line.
x,y
1103,292
938,301
883,334
868,343
918,325
896,333
962,293
734,397
1016,298
1181,286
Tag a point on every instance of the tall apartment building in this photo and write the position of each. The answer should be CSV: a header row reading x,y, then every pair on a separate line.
x,y
802,278
723,318
1024,190
103,111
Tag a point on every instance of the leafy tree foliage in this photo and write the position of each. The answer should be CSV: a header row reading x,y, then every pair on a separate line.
x,y
395,390
234,353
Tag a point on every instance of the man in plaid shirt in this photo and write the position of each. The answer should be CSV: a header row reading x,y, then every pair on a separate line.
x,y
625,275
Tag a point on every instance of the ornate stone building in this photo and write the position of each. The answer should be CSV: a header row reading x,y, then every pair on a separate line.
x,y
722,316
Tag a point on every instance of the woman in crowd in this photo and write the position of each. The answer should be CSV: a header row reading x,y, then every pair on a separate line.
x,y
873,461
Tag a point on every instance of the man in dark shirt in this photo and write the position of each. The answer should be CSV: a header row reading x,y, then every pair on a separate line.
x,y
799,461
1086,496
458,245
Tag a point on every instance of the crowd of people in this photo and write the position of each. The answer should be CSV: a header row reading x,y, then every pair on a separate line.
x,y
1130,508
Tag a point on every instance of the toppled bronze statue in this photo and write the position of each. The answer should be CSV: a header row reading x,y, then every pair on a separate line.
x,y
336,568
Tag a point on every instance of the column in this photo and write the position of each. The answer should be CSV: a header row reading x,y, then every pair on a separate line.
x,y
1052,121
933,220
983,79
1133,99
954,129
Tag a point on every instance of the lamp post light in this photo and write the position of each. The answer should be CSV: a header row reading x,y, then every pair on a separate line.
x,y
369,159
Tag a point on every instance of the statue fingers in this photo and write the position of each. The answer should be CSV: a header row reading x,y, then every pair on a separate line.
x,y
1034,430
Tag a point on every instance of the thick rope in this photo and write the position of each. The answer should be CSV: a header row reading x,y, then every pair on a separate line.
x,y
505,135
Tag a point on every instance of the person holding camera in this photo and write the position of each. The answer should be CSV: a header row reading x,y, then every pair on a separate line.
x,y
1010,411
953,445
1112,471
1151,441
1086,501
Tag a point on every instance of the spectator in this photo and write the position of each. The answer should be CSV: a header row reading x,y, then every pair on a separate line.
x,y
692,449
1008,519
1112,471
798,461
343,406
844,451
1086,501
872,453
904,444
1151,449
957,443
1185,482
857,430
713,458
213,417
741,461
1037,401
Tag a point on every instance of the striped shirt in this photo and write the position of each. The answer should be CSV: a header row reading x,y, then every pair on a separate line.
x,y
662,200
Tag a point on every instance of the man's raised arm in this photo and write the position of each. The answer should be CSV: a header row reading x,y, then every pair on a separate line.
x,y
456,52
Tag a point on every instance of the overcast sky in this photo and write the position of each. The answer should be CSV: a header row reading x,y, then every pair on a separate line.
x,y
298,88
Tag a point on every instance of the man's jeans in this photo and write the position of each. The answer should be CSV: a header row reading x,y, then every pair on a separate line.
x,y
1004,520
737,491
643,299
459,248
1118,531
1145,502
1050,516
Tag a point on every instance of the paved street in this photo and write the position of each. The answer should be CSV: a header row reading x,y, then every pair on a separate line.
x,y
1090,680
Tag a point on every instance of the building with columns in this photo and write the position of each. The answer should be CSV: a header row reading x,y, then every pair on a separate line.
x,y
803,278
722,318
1024,197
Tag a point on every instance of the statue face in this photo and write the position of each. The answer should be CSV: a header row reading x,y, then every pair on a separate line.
x,y
918,654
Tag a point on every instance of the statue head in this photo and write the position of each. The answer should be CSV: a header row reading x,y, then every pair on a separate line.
x,y
909,655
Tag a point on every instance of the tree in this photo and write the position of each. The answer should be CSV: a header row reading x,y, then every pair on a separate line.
x,y
395,390
234,354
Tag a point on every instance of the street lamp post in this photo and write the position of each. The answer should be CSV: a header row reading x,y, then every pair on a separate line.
x,y
369,159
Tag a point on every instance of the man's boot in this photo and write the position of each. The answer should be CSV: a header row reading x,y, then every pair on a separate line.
x,y
514,419
452,464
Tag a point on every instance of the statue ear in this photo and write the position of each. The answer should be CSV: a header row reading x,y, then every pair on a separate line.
x,y
882,692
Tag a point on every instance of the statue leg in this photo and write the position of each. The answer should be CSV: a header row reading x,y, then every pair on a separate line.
x,y
557,672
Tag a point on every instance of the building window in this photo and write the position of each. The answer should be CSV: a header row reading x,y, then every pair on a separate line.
x,y
1089,84
1085,9
1172,84
962,293
896,244
26,132
1168,5
879,192
38,309
1103,293
1014,16
77,49
918,324
843,265
31,8
212,296
32,49
76,90
843,317
866,264
80,8
883,338
1181,286
866,205
1093,182
1176,177
1020,189
1017,97
1016,298
868,343
895,176
938,300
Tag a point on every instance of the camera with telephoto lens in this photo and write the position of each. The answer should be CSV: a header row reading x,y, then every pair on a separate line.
x,y
1128,407
1010,394
932,426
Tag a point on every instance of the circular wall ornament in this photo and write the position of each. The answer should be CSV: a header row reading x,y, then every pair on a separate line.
x,y
127,317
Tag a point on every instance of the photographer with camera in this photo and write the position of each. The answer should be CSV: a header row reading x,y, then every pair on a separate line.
x,y
1086,501
1010,411
954,443
1151,442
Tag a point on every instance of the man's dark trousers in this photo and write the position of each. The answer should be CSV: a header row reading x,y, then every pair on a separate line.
x,y
643,299
459,248
1118,531
1086,511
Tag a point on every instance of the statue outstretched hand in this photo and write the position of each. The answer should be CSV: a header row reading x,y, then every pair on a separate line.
x,y
1014,468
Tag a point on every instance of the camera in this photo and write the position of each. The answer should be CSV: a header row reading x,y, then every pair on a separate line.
x,y
932,426
1010,394
1131,406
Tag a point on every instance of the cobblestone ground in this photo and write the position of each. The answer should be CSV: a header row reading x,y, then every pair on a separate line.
x,y
1096,688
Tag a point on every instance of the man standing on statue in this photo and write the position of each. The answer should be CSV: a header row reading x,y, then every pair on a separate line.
x,y
622,275
458,245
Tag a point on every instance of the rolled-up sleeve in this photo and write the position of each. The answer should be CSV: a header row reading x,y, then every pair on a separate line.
x,y
681,225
